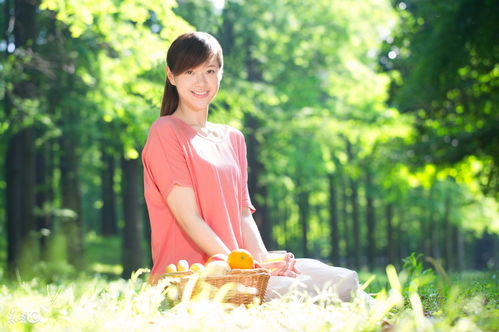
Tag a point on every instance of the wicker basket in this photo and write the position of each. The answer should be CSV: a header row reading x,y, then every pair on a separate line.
x,y
248,284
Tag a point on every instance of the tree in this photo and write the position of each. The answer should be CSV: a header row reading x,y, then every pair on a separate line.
x,y
20,99
444,56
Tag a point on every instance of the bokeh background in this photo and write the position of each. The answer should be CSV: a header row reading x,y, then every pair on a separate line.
x,y
372,127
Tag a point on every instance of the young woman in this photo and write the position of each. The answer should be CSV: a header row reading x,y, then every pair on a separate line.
x,y
195,179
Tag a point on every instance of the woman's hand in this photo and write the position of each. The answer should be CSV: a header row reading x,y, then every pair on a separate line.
x,y
285,267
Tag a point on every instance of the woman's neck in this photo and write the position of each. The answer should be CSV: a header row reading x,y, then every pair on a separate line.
x,y
196,119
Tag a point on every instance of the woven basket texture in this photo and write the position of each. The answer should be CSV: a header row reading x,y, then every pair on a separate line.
x,y
246,286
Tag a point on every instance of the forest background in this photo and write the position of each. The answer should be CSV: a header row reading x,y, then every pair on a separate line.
x,y
372,127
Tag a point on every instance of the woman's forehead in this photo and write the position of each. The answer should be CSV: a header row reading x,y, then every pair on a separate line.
x,y
211,62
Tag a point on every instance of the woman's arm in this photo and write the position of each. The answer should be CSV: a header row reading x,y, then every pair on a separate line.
x,y
251,236
254,244
182,203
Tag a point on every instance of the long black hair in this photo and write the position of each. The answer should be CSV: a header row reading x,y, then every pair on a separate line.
x,y
186,52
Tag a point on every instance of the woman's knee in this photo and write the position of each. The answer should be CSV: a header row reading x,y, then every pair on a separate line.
x,y
349,285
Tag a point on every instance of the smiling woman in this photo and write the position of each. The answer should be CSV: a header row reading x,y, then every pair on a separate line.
x,y
194,70
195,181
197,87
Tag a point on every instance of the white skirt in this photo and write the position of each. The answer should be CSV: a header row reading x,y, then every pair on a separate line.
x,y
314,277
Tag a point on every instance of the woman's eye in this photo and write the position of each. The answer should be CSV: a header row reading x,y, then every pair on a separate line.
x,y
189,72
211,71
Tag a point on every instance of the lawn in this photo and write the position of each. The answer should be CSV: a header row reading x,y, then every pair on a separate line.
x,y
410,300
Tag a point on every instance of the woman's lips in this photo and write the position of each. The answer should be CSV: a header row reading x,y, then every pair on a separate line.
x,y
200,94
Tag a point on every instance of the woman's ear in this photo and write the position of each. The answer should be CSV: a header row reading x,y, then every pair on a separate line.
x,y
170,76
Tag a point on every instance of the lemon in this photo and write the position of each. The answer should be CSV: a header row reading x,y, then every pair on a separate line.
x,y
171,268
197,267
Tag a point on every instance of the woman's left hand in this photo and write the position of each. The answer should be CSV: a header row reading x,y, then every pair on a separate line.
x,y
285,267
290,268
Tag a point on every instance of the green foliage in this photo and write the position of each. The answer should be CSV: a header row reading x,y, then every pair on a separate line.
x,y
445,56
308,73
413,275
103,254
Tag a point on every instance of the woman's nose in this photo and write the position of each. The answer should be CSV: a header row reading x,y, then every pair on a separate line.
x,y
200,79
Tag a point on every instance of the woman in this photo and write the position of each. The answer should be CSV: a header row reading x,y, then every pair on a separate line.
x,y
195,178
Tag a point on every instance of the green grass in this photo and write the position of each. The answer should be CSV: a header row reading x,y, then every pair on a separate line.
x,y
97,304
103,255
414,299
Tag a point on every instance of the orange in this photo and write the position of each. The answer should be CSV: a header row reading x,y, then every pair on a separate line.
x,y
217,257
240,259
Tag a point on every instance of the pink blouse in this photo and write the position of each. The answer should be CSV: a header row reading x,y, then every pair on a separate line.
x,y
216,169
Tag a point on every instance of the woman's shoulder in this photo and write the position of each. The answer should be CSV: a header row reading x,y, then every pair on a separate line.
x,y
236,138
166,127
162,132
233,132
163,123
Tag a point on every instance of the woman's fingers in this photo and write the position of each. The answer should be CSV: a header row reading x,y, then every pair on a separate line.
x,y
279,271
293,267
286,267
274,265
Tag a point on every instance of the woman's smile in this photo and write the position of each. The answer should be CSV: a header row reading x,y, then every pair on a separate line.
x,y
200,94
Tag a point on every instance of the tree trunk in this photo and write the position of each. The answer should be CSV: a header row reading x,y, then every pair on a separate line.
x,y
22,244
109,224
425,235
401,248
133,253
356,223
448,234
370,219
72,225
256,189
354,199
434,225
459,247
333,219
391,254
265,221
304,212
285,217
344,217
45,196
20,195
427,230
274,213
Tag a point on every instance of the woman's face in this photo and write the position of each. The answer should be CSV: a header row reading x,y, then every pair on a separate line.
x,y
197,86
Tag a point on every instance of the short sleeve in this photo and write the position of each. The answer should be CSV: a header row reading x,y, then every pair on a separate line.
x,y
246,201
164,161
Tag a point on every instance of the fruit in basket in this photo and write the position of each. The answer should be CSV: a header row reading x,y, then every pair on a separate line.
x,y
240,259
217,257
216,267
182,265
171,268
197,267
